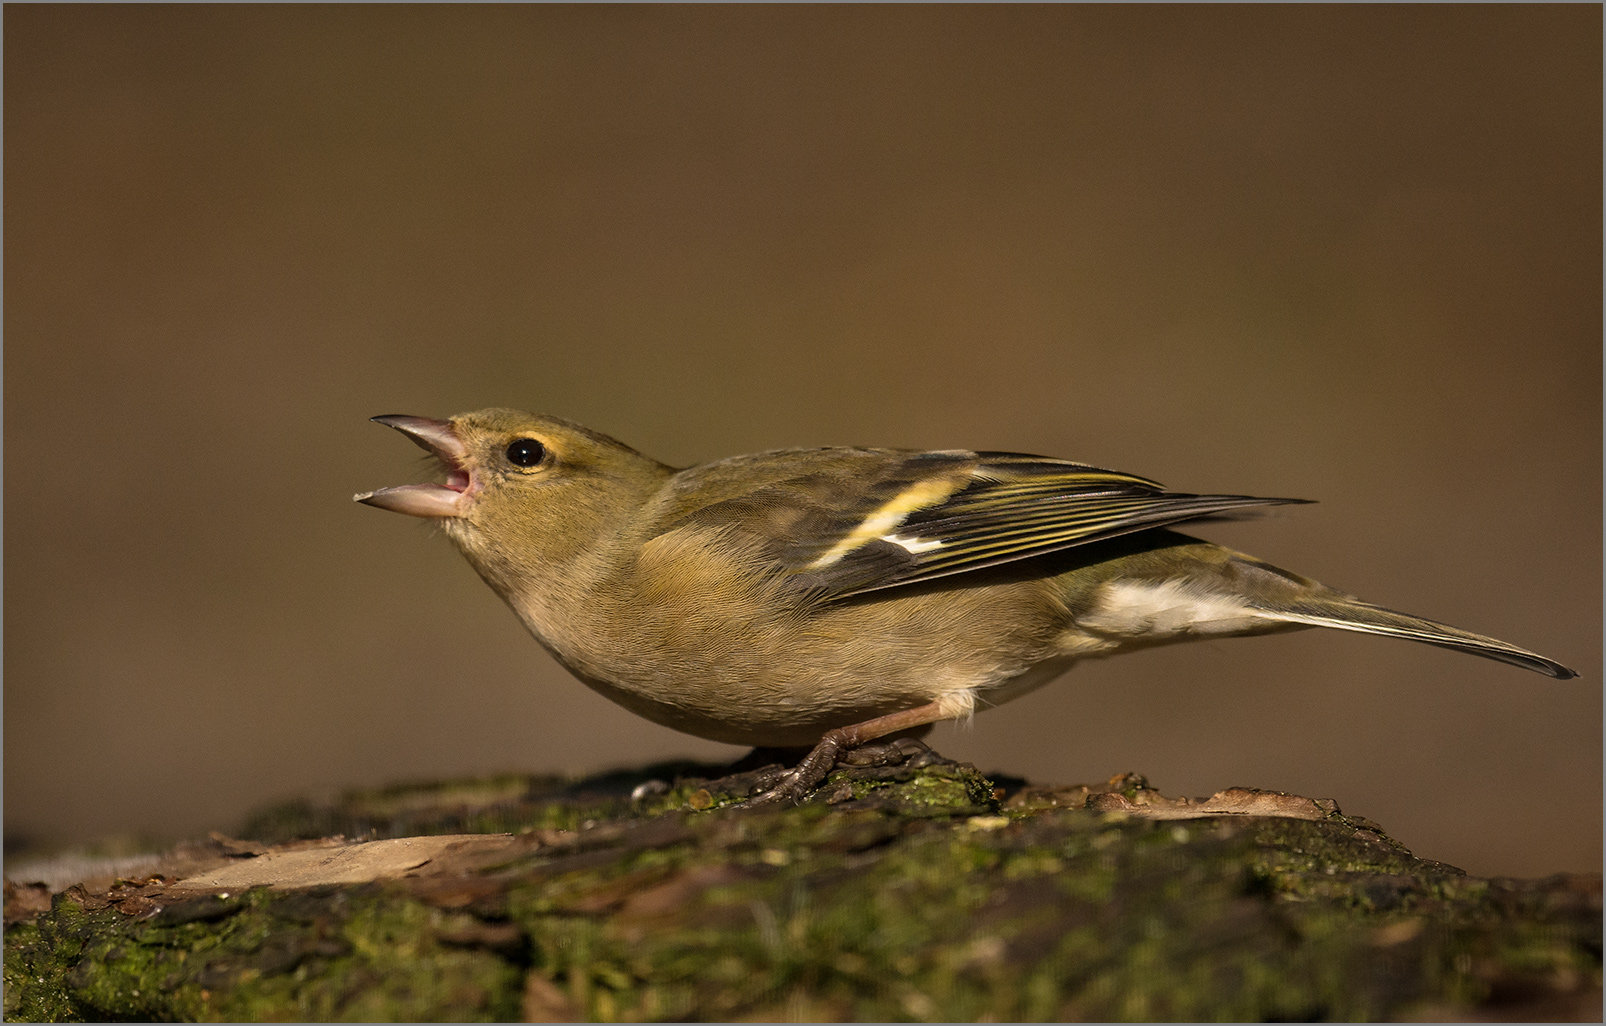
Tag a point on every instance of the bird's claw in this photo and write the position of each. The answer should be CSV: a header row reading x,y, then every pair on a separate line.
x,y
884,753
800,779
797,782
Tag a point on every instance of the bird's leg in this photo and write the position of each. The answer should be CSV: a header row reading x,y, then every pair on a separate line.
x,y
803,777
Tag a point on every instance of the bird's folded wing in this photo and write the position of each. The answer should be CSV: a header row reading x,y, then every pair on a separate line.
x,y
883,518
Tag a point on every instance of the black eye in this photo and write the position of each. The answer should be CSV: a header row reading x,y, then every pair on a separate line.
x,y
526,452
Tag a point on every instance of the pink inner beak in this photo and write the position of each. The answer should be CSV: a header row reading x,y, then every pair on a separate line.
x,y
427,500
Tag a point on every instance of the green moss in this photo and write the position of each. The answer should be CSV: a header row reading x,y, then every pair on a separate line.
x,y
332,956
895,896
1091,917
38,958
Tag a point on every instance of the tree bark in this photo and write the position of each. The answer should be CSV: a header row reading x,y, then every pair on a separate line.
x,y
915,892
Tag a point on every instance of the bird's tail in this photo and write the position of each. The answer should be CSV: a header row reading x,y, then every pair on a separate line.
x,y
1347,614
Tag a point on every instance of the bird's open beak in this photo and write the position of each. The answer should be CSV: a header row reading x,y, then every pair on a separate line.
x,y
427,500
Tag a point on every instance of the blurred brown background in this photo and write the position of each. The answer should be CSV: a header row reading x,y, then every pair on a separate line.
x,y
1346,253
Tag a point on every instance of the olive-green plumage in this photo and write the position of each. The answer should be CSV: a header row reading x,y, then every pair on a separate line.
x,y
773,598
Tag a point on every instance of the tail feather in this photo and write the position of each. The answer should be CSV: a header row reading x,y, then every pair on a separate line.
x,y
1354,615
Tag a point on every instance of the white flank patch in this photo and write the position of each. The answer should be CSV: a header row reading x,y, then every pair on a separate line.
x,y
1168,607
913,544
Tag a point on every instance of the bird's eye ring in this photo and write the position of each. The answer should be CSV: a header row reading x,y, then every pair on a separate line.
x,y
525,452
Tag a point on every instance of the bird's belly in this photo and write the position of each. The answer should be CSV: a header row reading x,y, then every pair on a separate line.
x,y
755,681
756,702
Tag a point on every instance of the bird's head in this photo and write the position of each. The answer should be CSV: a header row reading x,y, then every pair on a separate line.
x,y
521,492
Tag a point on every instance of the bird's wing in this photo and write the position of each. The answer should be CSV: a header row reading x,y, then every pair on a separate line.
x,y
846,522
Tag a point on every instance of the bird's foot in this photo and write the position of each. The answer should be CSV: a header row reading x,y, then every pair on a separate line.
x,y
893,752
794,784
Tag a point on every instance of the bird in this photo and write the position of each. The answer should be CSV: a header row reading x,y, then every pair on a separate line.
x,y
833,599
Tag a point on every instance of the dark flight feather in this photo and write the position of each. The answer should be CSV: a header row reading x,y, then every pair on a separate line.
x,y
921,516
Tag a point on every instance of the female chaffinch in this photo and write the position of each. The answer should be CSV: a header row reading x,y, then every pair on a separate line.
x,y
828,597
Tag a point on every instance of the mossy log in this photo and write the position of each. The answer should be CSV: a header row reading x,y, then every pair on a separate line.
x,y
915,892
